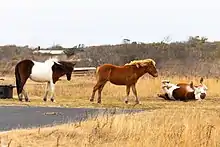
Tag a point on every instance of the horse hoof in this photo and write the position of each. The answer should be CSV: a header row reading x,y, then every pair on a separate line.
x,y
137,102
27,100
126,102
20,100
45,99
91,100
53,100
99,102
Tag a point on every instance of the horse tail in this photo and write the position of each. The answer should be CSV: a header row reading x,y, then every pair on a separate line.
x,y
97,72
18,79
100,70
97,69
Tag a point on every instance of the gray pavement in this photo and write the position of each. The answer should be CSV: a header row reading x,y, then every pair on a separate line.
x,y
12,117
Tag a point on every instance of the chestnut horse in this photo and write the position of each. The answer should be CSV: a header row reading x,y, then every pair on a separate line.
x,y
127,75
49,71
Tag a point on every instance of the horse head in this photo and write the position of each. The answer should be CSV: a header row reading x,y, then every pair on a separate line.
x,y
149,66
64,68
68,68
200,90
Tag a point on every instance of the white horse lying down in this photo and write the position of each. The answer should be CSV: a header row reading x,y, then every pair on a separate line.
x,y
183,91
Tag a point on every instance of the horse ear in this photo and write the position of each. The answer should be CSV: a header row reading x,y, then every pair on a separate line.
x,y
201,80
191,85
73,63
57,66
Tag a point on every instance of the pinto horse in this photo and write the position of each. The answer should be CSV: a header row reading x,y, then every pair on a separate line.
x,y
127,75
48,71
183,91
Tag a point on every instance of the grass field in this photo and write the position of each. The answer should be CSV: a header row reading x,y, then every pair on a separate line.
x,y
76,93
163,124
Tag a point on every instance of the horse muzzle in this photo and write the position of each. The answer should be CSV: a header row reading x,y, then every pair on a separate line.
x,y
155,75
203,95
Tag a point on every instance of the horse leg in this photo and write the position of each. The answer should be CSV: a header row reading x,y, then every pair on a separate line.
x,y
164,96
135,93
20,81
20,96
127,92
95,88
52,87
46,91
21,89
25,95
100,92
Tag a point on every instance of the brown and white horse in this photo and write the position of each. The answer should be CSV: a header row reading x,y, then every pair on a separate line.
x,y
127,75
183,91
48,71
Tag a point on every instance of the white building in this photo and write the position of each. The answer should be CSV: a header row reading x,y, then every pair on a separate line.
x,y
53,52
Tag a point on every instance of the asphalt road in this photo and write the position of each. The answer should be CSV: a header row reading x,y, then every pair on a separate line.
x,y
12,117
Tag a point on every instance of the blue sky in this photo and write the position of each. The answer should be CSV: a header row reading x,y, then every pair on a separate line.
x,y
94,22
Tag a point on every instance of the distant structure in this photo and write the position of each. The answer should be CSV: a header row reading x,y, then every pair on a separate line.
x,y
49,51
126,41
59,50
53,52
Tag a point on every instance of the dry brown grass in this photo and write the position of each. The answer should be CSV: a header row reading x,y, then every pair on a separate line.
x,y
166,127
169,124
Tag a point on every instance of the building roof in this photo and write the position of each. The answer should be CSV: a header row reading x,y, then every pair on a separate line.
x,y
54,52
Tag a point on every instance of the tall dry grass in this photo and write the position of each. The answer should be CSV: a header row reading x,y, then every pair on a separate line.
x,y
188,127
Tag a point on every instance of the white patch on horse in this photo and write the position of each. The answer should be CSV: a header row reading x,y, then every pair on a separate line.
x,y
170,91
42,71
189,89
169,88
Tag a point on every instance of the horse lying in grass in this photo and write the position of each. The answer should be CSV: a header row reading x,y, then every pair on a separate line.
x,y
183,91
127,75
49,71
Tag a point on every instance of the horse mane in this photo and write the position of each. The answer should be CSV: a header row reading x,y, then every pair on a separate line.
x,y
141,62
52,59
67,63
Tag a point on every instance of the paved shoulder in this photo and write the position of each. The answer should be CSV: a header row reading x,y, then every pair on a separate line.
x,y
12,117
